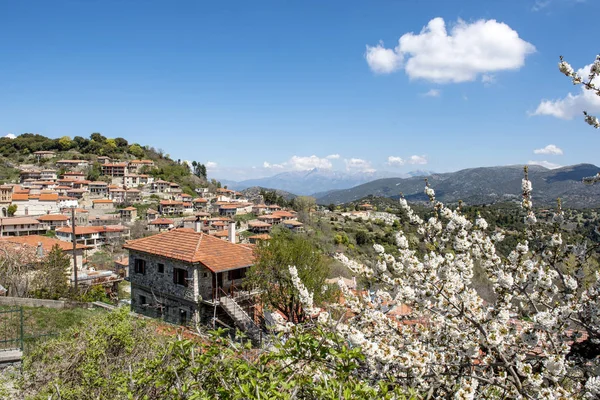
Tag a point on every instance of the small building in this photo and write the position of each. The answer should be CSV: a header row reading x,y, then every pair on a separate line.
x,y
72,164
200,204
54,221
103,159
161,224
180,275
94,236
43,155
48,175
151,214
255,239
258,226
30,174
74,176
293,225
21,226
170,207
114,169
128,214
98,189
136,165
103,204
160,186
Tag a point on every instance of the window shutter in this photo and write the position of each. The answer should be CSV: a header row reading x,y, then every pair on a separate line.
x,y
185,278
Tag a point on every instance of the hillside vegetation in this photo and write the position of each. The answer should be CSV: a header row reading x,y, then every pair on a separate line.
x,y
19,151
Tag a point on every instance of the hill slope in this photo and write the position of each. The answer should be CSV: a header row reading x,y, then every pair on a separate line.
x,y
485,185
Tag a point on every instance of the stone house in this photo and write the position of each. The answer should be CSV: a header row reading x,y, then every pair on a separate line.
x,y
98,189
103,204
161,224
170,207
72,164
43,155
184,275
128,214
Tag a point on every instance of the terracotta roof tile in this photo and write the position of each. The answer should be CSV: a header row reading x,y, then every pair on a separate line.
x,y
102,201
47,243
52,217
192,247
49,197
162,221
20,197
18,221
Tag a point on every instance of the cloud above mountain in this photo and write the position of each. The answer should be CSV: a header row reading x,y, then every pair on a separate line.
x,y
468,51
394,161
550,149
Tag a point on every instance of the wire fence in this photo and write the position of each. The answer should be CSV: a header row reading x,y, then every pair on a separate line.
x,y
18,331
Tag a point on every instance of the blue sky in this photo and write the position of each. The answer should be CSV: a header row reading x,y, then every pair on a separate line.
x,y
256,88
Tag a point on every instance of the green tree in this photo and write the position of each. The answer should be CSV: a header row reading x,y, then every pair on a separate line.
x,y
97,137
271,272
136,150
52,280
65,143
11,210
331,207
111,144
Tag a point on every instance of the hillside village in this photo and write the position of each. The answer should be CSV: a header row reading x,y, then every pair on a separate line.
x,y
137,219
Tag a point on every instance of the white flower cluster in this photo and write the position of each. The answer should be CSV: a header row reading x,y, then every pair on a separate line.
x,y
426,324
589,83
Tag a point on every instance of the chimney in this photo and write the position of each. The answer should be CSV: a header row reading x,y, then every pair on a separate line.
x,y
40,250
232,232
198,225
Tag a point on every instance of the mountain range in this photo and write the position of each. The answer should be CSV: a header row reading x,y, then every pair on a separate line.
x,y
485,185
317,182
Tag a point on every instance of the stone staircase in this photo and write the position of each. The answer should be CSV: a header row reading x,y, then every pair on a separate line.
x,y
241,318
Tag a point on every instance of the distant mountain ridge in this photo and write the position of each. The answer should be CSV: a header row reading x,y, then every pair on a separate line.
x,y
316,180
485,185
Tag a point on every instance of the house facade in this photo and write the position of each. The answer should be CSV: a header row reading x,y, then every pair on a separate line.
x,y
180,275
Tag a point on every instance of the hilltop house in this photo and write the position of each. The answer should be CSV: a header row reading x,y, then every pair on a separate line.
x,y
184,275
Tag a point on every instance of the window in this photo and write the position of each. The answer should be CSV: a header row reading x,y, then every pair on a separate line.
x,y
143,300
161,268
139,266
205,275
237,274
182,317
180,276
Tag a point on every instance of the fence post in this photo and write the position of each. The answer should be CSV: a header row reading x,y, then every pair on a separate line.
x,y
21,331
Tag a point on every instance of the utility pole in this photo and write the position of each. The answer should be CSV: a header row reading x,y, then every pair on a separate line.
x,y
74,248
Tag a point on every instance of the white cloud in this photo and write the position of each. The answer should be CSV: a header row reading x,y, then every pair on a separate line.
x,y
412,160
421,160
333,156
11,136
395,161
299,163
304,163
211,165
545,164
469,50
550,149
272,166
382,60
572,105
358,164
432,93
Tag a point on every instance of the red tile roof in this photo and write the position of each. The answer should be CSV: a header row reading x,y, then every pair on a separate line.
x,y
192,247
171,203
162,221
20,197
18,221
129,209
101,201
47,243
49,197
200,200
52,217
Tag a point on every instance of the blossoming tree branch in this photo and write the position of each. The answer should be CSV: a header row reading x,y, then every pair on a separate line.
x,y
536,333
